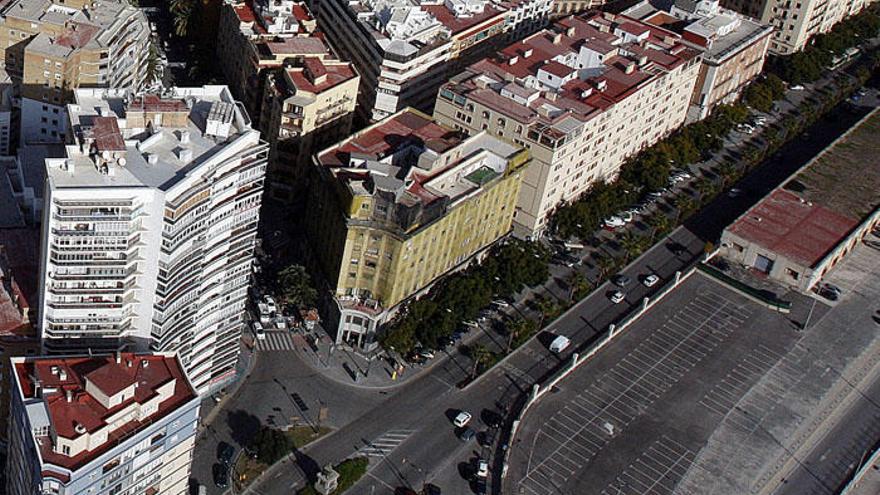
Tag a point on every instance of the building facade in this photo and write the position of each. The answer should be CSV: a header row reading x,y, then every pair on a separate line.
x,y
51,48
149,227
796,22
734,48
404,50
395,209
582,96
307,105
104,424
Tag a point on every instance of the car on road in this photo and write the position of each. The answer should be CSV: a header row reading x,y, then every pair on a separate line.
x,y
830,292
650,280
797,87
559,344
621,280
500,303
470,323
492,418
734,192
617,297
270,304
467,434
426,354
259,333
221,475
462,419
225,453
482,468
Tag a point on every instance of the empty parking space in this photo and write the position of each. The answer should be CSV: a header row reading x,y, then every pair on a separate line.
x,y
656,471
569,439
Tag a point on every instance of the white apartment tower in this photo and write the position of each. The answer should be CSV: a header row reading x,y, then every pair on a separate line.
x,y
149,227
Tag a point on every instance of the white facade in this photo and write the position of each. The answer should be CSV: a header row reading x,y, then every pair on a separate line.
x,y
151,245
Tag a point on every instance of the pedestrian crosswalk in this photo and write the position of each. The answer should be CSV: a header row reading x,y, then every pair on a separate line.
x,y
386,443
276,341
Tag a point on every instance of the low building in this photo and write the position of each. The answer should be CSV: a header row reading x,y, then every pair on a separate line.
x,y
563,8
734,47
405,49
582,95
307,106
149,227
101,424
804,227
395,208
795,23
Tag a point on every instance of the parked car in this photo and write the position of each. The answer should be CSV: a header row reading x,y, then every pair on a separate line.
x,y
270,304
259,332
734,192
467,434
482,468
650,280
797,87
225,453
621,280
221,475
462,419
559,344
617,297
626,216
500,303
830,292
614,222
480,487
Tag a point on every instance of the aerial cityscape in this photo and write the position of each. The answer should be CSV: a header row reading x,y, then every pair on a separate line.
x,y
425,247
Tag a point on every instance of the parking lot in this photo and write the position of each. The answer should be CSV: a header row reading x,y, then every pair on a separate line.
x,y
627,422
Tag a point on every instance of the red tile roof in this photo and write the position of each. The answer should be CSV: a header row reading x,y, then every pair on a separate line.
x,y
107,135
336,73
795,229
77,35
557,69
84,409
390,134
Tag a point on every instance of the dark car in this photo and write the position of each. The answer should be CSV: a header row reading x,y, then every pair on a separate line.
x,y
830,292
480,487
225,453
467,434
621,280
491,418
431,489
221,475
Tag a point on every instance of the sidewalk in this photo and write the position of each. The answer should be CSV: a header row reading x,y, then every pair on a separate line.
x,y
344,366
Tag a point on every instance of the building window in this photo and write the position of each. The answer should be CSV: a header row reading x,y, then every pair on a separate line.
x,y
793,274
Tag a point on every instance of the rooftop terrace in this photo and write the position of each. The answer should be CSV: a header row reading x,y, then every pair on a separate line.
x,y
147,141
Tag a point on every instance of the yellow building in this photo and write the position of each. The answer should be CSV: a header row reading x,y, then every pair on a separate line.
x,y
400,204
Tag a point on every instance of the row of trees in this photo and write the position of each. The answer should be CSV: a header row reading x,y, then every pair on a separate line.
x,y
647,171
459,297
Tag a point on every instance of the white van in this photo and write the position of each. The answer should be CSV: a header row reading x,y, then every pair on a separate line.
x,y
559,344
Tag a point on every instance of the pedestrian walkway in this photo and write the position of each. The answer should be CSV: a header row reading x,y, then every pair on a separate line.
x,y
276,341
386,443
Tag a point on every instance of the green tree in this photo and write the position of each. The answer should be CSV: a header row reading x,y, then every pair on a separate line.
x,y
605,264
579,286
271,445
181,12
659,224
480,355
685,205
632,245
705,187
153,64
296,287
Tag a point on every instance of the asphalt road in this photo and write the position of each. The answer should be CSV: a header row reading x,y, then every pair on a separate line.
x,y
410,437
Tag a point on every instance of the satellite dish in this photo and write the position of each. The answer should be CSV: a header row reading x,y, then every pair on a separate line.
x,y
121,161
105,155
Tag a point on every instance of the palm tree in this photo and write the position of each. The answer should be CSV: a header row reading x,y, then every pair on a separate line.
x,y
658,222
605,264
153,66
479,354
578,286
182,11
705,187
685,205
631,244
727,171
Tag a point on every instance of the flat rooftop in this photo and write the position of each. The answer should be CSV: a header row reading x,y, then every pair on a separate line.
x,y
71,411
196,124
811,213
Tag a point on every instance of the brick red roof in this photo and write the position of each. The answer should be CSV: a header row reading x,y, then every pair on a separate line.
x,y
84,409
786,225
336,73
154,103
77,35
557,69
107,135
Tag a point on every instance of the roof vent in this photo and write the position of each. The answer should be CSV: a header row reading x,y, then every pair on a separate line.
x,y
570,31
184,137
80,429
145,363
152,158
128,363
68,394
62,375
184,154
54,370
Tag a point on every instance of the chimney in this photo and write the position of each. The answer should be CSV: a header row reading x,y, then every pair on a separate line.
x,y
118,357
513,60
128,363
62,375
68,394
145,363
184,137
570,31
557,38
630,67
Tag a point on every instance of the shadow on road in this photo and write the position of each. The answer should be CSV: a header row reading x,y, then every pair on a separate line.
x,y
307,465
243,426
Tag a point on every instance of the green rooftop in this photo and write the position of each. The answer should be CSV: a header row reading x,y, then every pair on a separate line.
x,y
481,175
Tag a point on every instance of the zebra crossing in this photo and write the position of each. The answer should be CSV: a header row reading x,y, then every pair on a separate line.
x,y
386,443
280,340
